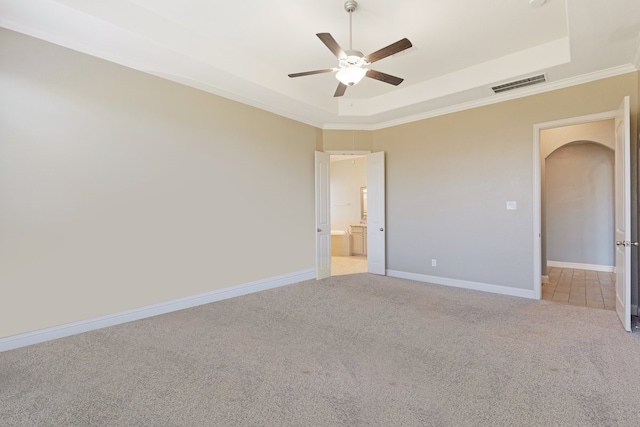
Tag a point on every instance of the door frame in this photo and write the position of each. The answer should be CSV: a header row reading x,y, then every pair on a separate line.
x,y
335,153
537,190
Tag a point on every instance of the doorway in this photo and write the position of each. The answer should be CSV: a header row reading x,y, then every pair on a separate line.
x,y
577,172
578,201
374,234
348,213
622,206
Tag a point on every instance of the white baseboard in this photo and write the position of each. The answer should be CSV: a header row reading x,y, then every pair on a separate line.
x,y
48,334
485,287
579,266
545,279
634,310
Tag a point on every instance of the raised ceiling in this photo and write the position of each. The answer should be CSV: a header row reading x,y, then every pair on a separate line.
x,y
244,50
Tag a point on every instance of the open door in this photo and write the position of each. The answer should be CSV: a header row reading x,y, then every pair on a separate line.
x,y
323,216
623,215
376,242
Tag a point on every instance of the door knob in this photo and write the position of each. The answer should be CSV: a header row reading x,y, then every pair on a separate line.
x,y
319,230
381,229
618,242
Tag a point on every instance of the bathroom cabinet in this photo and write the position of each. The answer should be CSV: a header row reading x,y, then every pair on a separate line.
x,y
359,239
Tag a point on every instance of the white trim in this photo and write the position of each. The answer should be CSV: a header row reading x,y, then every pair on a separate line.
x,y
545,279
580,266
465,284
48,334
348,152
634,310
537,195
607,115
537,216
636,58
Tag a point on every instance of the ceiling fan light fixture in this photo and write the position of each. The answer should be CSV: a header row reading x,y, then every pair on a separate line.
x,y
350,75
351,63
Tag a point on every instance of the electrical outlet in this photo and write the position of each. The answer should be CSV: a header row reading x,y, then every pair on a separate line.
x,y
434,263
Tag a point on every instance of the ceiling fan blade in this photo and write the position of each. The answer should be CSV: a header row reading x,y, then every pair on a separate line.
x,y
309,73
392,49
384,77
340,90
332,44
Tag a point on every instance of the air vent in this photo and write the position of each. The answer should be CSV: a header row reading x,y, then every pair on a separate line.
x,y
520,83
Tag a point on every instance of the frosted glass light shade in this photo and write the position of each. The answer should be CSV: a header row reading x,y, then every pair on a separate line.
x,y
350,75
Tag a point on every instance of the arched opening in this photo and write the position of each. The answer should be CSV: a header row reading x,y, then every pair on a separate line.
x,y
577,186
579,202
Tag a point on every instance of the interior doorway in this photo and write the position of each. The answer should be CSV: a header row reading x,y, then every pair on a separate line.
x,y
577,173
620,142
348,195
370,219
563,132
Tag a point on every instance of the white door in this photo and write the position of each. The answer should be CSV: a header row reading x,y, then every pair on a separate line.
x,y
376,228
323,216
623,215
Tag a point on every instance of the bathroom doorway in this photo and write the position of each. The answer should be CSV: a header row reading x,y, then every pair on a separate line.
x,y
348,195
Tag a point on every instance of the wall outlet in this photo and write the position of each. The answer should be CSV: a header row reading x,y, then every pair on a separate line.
x,y
434,263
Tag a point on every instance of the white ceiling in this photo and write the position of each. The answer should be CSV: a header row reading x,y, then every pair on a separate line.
x,y
244,50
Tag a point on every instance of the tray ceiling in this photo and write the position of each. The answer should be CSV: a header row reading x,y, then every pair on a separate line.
x,y
244,50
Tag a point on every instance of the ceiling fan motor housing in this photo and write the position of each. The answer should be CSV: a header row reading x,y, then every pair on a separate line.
x,y
353,58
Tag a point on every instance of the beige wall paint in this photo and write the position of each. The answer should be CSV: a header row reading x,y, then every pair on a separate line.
x,y
120,190
345,140
602,132
449,178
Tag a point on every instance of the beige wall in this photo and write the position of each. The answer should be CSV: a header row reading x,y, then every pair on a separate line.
x,y
345,140
120,190
449,178
602,132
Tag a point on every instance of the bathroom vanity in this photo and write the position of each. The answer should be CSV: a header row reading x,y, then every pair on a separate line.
x,y
358,239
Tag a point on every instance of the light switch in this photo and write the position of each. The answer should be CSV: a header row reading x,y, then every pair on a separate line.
x,y
511,206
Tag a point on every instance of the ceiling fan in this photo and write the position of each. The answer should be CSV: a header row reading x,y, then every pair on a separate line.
x,y
351,63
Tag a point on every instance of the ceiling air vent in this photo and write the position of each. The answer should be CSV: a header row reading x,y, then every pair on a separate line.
x,y
520,83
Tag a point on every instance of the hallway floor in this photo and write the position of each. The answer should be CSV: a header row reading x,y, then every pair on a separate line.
x,y
583,288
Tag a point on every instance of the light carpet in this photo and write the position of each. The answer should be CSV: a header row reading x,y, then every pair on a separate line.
x,y
345,351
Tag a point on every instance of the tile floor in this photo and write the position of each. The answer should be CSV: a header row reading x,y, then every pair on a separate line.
x,y
584,288
348,265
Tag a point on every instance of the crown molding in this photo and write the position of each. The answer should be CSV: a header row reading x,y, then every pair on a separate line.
x,y
636,58
507,96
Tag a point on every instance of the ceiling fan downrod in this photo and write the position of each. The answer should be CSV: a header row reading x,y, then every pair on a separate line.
x,y
350,6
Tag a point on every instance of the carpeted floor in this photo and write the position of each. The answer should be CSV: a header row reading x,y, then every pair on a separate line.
x,y
348,350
